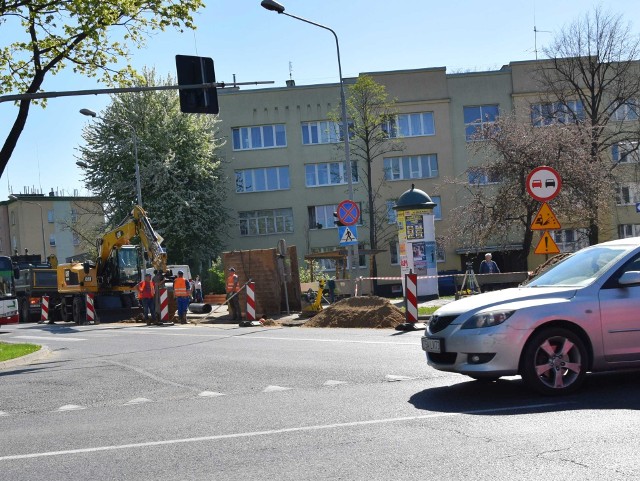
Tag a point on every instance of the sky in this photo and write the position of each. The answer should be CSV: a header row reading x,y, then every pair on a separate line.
x,y
254,44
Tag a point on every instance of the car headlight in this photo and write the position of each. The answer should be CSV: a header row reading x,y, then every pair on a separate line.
x,y
487,319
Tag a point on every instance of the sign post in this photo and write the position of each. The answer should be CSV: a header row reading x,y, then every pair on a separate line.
x,y
543,184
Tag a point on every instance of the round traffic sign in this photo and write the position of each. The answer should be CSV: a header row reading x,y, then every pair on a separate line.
x,y
543,183
348,212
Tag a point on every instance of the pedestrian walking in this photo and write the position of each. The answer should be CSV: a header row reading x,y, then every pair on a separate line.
x,y
192,290
488,266
181,292
146,291
233,302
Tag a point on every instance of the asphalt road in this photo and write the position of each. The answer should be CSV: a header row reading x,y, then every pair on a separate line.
x,y
116,402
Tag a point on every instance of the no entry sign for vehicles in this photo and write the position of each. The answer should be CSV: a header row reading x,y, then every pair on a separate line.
x,y
348,212
543,183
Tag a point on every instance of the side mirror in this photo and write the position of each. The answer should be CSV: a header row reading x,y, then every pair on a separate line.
x,y
629,278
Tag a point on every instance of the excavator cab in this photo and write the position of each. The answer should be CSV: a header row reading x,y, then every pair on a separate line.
x,y
122,267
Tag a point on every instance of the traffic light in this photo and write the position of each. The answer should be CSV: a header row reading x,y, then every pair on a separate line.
x,y
193,71
337,221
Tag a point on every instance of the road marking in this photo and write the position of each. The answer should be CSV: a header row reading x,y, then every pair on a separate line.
x,y
393,377
70,407
276,388
334,383
52,338
138,400
2,413
210,394
253,434
149,375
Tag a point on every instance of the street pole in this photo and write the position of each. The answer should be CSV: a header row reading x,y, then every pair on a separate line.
x,y
274,6
134,141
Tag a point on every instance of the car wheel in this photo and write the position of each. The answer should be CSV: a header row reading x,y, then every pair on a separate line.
x,y
554,362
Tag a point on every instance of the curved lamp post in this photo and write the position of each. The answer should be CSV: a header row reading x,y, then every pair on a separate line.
x,y
274,6
44,245
134,139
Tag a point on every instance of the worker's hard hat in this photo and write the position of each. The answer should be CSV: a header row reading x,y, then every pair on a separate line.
x,y
180,273
147,275
232,269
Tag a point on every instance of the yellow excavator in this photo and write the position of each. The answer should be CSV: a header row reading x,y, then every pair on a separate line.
x,y
112,278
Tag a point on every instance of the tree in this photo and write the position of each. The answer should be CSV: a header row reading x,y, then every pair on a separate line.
x,y
496,206
91,36
594,61
180,172
370,111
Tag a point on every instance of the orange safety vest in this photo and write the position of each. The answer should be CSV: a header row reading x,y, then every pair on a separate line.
x,y
231,283
146,290
180,287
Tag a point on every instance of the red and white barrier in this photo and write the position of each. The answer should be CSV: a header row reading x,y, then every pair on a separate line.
x,y
251,301
164,305
91,310
411,297
44,313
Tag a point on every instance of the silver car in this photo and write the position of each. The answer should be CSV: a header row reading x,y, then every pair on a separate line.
x,y
581,315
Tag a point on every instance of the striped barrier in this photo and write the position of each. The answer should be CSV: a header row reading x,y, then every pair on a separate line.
x,y
251,301
164,305
44,313
411,297
91,310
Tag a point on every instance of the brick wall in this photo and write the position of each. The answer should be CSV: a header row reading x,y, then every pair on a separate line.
x,y
261,266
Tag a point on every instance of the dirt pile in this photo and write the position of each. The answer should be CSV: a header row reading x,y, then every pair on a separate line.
x,y
365,311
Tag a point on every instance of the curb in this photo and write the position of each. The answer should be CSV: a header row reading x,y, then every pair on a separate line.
x,y
43,352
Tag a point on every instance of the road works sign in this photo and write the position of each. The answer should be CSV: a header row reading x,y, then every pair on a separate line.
x,y
545,219
547,245
543,183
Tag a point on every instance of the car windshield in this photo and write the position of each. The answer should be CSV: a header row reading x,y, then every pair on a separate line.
x,y
580,269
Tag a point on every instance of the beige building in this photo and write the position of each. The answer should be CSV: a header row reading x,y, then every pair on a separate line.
x,y
284,161
49,224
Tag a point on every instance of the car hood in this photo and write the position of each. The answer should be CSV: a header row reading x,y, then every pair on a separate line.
x,y
483,301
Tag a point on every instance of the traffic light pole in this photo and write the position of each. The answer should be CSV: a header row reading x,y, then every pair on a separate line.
x,y
73,93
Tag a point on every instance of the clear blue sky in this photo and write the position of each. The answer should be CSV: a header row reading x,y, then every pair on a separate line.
x,y
254,44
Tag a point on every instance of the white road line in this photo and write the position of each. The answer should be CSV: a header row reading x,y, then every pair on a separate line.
x,y
331,382
276,388
50,338
70,407
138,400
210,394
393,377
253,434
2,413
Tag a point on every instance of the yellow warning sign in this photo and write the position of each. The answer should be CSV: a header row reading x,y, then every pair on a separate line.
x,y
547,245
545,219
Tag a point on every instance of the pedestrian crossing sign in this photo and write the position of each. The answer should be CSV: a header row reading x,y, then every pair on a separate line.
x,y
348,235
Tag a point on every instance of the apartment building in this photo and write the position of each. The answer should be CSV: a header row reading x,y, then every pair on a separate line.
x,y
285,162
49,224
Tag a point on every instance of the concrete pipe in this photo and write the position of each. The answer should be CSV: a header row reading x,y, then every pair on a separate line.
x,y
198,308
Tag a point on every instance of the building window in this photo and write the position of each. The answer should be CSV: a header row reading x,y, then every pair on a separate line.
x,y
392,214
265,222
52,240
259,137
74,216
332,173
323,132
437,210
557,113
76,239
627,194
477,117
394,253
625,152
411,167
261,180
479,176
629,110
410,125
628,230
13,217
570,240
50,217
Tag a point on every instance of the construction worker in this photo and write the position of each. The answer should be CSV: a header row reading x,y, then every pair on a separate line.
x,y
233,289
146,290
181,292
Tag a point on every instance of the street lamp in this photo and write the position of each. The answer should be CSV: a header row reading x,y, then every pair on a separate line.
x,y
274,6
44,245
134,138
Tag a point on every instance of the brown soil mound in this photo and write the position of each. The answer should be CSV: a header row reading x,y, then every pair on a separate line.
x,y
366,311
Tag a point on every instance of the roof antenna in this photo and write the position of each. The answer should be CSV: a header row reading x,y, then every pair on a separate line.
x,y
535,31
